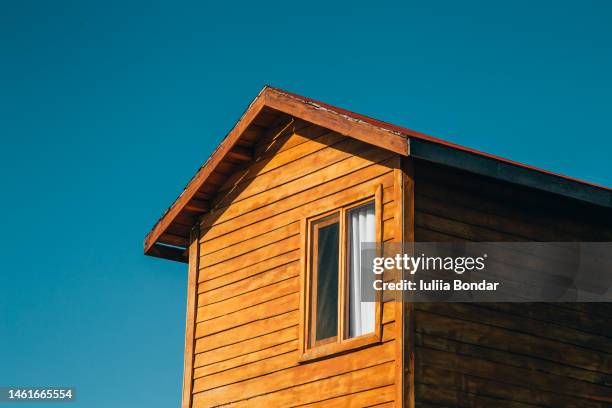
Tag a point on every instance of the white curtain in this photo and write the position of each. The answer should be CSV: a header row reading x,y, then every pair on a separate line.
x,y
362,228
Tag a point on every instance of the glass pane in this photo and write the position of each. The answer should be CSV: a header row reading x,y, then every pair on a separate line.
x,y
361,228
327,247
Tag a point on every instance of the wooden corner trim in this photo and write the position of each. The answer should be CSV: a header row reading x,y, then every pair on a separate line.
x,y
407,310
192,294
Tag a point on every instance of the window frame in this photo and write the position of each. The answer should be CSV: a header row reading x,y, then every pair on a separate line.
x,y
340,343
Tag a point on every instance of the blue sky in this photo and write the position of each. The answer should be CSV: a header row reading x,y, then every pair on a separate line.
x,y
108,108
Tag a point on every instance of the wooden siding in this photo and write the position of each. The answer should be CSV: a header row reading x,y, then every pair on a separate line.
x,y
247,316
507,354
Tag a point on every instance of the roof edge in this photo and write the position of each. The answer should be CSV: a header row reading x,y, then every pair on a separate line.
x,y
398,139
423,136
204,171
510,172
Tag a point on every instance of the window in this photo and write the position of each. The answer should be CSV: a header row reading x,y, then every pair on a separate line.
x,y
324,283
336,315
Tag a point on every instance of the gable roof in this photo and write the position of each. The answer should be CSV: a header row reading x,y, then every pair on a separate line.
x,y
169,237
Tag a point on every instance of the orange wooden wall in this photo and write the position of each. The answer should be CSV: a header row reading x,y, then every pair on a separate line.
x,y
248,277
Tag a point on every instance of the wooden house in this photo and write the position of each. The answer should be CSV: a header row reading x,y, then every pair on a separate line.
x,y
267,226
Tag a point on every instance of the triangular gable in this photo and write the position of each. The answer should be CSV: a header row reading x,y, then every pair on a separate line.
x,y
169,238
